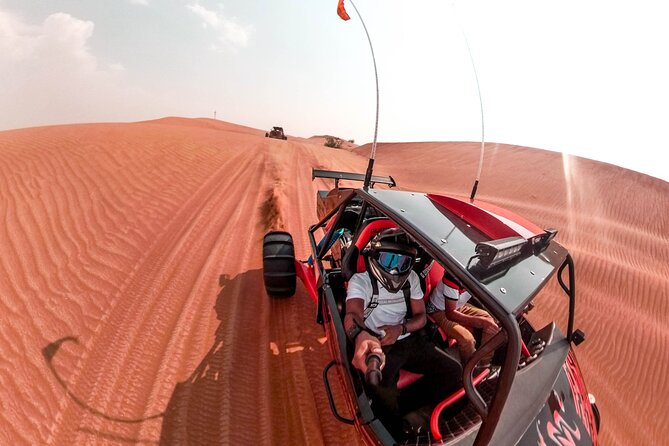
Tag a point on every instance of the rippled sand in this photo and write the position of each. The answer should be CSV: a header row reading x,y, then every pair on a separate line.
x,y
131,290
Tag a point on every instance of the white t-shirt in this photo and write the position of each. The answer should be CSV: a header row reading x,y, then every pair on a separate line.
x,y
442,292
391,309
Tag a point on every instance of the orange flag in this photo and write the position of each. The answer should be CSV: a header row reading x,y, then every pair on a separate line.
x,y
342,11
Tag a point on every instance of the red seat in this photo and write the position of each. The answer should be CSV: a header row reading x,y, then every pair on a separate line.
x,y
433,278
407,378
431,281
353,262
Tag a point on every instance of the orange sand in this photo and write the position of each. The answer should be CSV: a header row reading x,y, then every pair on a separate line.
x,y
139,247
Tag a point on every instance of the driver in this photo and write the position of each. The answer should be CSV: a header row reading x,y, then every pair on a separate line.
x,y
384,312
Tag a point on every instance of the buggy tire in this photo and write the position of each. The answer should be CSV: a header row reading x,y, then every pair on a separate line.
x,y
278,261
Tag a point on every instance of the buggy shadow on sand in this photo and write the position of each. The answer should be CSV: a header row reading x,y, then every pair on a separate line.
x,y
533,393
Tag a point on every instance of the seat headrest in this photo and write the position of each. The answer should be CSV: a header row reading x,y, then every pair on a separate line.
x,y
348,220
353,262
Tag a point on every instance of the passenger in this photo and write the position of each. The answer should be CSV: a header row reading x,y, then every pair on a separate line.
x,y
385,309
449,308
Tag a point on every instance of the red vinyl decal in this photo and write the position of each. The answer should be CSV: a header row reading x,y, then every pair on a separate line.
x,y
558,430
580,396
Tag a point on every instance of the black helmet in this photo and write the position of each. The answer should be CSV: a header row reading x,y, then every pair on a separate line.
x,y
391,258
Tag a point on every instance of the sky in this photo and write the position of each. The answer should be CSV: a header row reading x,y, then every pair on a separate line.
x,y
587,78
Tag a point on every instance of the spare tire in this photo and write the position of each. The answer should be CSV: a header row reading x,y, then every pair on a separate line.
x,y
278,261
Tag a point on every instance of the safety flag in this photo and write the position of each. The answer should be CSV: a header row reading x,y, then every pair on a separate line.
x,y
342,11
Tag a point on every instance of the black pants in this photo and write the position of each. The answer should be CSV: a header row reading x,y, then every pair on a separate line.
x,y
442,374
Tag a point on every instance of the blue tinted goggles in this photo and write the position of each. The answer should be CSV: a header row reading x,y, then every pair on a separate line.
x,y
394,263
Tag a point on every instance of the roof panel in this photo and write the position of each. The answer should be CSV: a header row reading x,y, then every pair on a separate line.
x,y
450,236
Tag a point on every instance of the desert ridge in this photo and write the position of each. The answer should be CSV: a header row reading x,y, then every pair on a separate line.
x,y
131,286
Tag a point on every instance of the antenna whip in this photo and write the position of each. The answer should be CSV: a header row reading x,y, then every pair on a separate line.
x,y
478,87
370,166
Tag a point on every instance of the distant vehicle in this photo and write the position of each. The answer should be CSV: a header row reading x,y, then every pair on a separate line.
x,y
276,132
532,394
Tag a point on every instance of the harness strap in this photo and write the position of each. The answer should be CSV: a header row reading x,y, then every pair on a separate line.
x,y
426,270
374,302
406,289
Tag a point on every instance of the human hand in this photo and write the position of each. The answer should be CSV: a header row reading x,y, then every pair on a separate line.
x,y
489,325
365,343
392,332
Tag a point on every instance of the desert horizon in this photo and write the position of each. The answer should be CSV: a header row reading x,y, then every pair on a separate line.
x,y
133,309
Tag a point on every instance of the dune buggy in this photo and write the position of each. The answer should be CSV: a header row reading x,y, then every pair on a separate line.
x,y
533,393
276,132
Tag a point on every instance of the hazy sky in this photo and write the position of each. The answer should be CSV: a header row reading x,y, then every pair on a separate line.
x,y
582,77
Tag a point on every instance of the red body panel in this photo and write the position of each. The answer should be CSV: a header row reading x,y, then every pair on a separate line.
x,y
366,235
492,220
307,273
580,395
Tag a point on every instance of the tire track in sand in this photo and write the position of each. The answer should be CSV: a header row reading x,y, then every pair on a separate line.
x,y
219,402
153,292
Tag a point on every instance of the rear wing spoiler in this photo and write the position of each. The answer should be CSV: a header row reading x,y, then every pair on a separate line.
x,y
335,175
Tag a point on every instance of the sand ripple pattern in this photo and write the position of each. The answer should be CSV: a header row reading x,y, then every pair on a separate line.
x,y
142,243
138,246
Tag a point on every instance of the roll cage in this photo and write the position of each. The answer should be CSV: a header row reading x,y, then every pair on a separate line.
x,y
370,203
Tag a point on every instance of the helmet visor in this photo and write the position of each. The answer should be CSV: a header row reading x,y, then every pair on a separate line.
x,y
393,262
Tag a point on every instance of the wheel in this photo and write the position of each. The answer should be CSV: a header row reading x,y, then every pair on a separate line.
x,y
266,135
278,261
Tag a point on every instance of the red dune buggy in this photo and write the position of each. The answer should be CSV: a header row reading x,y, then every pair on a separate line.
x,y
533,394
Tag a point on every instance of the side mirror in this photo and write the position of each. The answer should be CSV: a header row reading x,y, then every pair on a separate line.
x,y
578,337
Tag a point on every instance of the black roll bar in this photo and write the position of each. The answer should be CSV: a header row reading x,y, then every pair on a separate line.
x,y
328,391
468,379
339,210
571,292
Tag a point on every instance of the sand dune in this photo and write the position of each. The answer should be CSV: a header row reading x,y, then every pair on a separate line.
x,y
131,285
